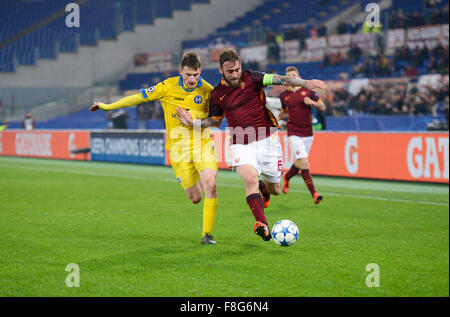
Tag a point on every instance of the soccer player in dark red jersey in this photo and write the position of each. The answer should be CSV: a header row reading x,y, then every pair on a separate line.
x,y
255,145
297,103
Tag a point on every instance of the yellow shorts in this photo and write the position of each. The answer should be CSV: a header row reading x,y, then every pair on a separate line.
x,y
187,170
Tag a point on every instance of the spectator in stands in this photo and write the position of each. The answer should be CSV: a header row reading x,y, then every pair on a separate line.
x,y
291,34
445,15
416,57
398,20
390,99
436,17
342,28
420,105
157,112
322,30
326,60
273,51
445,109
333,59
354,54
353,27
410,71
313,32
432,3
302,36
118,119
3,126
415,19
402,54
29,122
424,53
270,37
359,104
142,116
251,65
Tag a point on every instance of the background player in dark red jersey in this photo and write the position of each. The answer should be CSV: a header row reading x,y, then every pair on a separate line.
x,y
255,145
297,103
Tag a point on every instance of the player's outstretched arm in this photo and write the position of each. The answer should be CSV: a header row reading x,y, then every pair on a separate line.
x,y
129,101
312,84
186,120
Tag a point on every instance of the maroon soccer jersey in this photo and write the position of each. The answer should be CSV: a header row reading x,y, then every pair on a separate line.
x,y
244,108
299,122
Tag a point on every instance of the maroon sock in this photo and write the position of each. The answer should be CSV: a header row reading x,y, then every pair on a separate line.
x,y
257,207
292,172
308,181
263,189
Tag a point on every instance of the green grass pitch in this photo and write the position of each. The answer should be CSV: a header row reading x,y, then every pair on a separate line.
x,y
132,232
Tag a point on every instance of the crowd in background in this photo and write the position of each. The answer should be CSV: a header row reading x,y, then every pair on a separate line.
x,y
407,61
401,20
374,100
388,99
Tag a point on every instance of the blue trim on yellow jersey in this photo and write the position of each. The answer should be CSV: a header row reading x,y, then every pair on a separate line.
x,y
144,95
180,82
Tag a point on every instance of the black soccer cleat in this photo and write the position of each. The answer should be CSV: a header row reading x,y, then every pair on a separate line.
x,y
262,230
208,239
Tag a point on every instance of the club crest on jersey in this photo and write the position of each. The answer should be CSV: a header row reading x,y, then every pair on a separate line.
x,y
151,89
198,99
303,93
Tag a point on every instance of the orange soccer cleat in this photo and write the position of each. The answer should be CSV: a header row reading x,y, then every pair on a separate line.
x,y
317,198
262,230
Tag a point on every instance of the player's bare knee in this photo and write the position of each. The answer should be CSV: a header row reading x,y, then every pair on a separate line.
x,y
275,190
195,199
302,163
251,180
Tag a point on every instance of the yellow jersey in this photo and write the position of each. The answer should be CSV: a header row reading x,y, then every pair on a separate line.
x,y
172,94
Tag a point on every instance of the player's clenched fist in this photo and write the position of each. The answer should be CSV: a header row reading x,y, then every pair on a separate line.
x,y
308,101
95,106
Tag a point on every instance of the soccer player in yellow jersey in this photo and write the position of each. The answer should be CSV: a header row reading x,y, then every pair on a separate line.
x,y
191,149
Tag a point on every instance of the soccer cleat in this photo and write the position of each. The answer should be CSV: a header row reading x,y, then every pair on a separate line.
x,y
262,230
265,197
208,239
285,184
317,198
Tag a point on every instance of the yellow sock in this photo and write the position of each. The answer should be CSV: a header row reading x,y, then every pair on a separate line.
x,y
209,214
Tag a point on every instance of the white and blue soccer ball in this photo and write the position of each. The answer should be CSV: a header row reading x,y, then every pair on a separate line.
x,y
285,233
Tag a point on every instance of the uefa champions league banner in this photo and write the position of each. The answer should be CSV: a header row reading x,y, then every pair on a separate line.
x,y
129,147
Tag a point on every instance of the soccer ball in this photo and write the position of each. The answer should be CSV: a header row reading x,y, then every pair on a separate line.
x,y
285,233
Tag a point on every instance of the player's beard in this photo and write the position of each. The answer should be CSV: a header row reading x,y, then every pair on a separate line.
x,y
234,83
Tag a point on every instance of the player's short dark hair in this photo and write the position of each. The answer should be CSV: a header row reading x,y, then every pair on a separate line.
x,y
228,55
191,59
292,69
